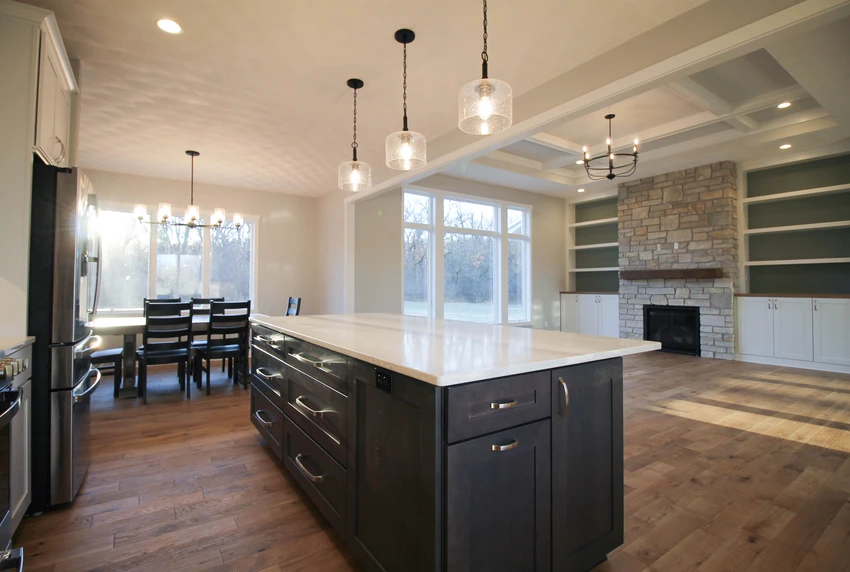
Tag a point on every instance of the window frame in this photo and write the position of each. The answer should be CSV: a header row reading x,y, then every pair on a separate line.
x,y
437,231
253,220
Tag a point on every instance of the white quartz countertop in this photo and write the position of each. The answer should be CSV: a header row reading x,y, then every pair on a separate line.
x,y
11,344
447,352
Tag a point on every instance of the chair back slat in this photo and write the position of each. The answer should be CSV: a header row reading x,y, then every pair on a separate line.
x,y
202,305
157,301
234,323
293,308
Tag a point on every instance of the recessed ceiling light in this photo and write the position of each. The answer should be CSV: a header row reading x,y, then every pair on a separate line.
x,y
579,162
785,146
169,26
581,190
784,104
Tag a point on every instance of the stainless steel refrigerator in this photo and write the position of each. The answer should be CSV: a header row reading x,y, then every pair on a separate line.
x,y
64,283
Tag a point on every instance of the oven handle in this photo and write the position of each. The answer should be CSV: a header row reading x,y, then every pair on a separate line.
x,y
12,555
12,410
78,397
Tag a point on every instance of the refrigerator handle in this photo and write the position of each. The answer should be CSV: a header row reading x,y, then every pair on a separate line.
x,y
92,201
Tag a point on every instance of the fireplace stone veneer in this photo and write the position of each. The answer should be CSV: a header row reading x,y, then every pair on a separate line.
x,y
682,220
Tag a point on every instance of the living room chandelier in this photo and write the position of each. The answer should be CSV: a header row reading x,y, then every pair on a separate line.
x,y
606,166
192,217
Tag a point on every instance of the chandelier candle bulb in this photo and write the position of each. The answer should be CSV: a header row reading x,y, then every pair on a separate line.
x,y
164,212
193,213
218,217
238,220
140,212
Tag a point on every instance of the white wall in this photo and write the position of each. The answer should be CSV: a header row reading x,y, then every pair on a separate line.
x,y
330,252
286,250
378,247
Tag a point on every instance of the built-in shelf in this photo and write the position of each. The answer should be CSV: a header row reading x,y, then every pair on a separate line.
x,y
797,261
798,227
598,245
796,194
604,269
597,222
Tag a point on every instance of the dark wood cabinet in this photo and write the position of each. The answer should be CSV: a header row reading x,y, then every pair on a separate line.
x,y
498,501
587,463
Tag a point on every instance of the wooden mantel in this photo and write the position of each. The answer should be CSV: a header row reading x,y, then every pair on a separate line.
x,y
686,273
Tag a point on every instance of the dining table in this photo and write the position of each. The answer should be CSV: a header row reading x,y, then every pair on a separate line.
x,y
129,327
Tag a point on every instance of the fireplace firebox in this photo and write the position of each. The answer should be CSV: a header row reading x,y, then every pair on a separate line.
x,y
676,327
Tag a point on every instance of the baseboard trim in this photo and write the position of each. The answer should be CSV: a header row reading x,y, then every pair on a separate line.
x,y
815,365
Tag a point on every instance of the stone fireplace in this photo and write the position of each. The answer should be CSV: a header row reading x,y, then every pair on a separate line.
x,y
675,224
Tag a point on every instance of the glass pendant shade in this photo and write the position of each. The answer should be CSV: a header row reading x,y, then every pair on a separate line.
x,y
485,106
193,213
164,212
218,217
405,150
238,220
140,212
354,176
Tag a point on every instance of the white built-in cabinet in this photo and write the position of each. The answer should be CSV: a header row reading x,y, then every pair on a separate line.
x,y
802,330
593,314
53,115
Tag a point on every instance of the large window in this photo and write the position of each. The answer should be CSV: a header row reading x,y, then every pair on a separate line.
x,y
485,267
172,261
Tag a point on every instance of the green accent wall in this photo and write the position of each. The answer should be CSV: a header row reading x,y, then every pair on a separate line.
x,y
595,210
799,176
806,210
596,234
822,243
813,279
598,282
597,257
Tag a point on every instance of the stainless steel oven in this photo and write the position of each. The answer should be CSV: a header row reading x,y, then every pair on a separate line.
x,y
10,404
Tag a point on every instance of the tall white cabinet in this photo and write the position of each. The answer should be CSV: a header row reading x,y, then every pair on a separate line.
x,y
802,332
592,314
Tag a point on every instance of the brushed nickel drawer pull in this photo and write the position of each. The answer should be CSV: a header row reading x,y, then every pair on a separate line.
x,y
304,358
267,376
262,421
566,396
499,448
309,410
507,405
313,478
267,340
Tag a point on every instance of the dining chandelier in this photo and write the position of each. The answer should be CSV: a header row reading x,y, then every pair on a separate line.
x,y
192,218
405,149
611,164
354,175
485,106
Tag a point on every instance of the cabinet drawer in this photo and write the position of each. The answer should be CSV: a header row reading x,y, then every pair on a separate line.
x,y
479,408
267,418
267,339
320,411
271,372
322,478
328,367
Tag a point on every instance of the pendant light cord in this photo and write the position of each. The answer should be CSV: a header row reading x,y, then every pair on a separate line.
x,y
404,89
354,141
192,184
484,57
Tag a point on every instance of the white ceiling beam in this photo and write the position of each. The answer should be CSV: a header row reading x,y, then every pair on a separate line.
x,y
520,166
700,96
556,143
743,123
770,99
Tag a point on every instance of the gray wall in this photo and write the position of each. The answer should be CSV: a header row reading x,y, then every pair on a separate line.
x,y
377,253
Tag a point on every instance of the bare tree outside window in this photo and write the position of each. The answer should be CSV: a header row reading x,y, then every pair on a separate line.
x,y
231,261
125,261
179,261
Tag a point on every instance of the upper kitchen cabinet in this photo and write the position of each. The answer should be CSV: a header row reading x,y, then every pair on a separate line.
x,y
56,84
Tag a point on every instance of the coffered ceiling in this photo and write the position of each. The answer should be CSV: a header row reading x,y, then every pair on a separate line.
x,y
258,87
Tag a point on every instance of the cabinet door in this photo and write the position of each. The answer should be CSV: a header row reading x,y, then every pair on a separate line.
x,y
48,82
792,328
587,463
19,476
499,523
569,313
832,330
609,316
588,314
755,326
62,125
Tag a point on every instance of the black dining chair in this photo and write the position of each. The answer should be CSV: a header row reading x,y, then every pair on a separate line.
x,y
166,339
294,306
158,301
202,308
226,319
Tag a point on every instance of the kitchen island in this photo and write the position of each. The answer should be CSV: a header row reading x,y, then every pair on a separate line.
x,y
442,445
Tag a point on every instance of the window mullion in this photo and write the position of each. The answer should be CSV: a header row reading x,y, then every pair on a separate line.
x,y
154,235
503,266
207,261
439,259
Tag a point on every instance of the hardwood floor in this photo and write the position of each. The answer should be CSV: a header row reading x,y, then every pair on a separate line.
x,y
729,466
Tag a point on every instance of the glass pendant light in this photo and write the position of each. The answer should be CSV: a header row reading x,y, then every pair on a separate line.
x,y
484,106
405,149
354,175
